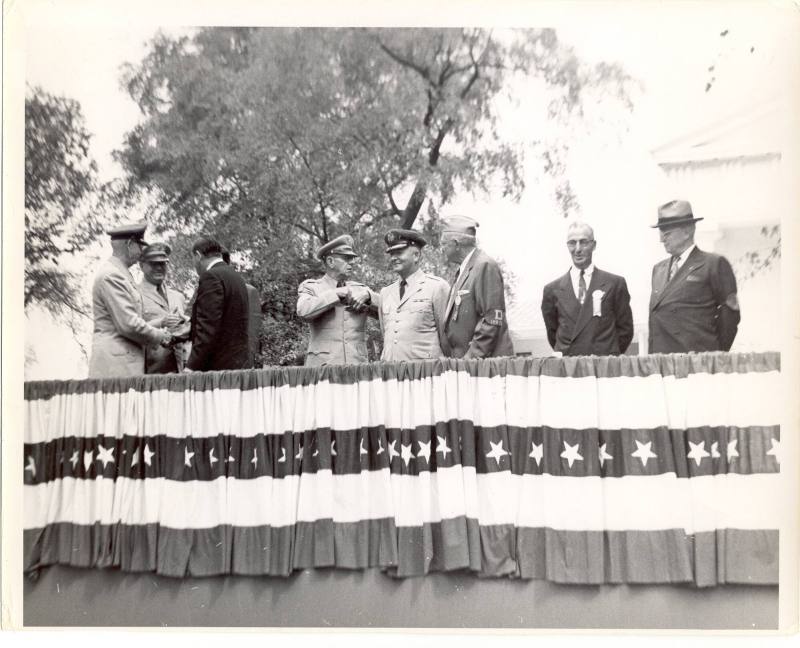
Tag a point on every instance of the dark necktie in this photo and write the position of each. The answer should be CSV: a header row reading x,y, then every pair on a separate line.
x,y
581,288
161,291
453,286
673,267
403,285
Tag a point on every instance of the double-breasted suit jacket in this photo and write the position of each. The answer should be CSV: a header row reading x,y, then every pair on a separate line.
x,y
120,330
158,359
475,320
602,325
698,309
338,335
413,327
220,321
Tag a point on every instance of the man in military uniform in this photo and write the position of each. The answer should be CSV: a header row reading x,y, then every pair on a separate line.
x,y
336,308
693,303
120,331
476,325
412,309
163,308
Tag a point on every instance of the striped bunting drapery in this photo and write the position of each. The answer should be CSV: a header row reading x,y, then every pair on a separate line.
x,y
651,469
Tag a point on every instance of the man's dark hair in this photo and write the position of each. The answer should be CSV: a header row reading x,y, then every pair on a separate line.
x,y
208,247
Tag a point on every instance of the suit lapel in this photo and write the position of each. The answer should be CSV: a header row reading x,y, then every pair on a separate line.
x,y
597,282
462,278
567,297
410,291
694,261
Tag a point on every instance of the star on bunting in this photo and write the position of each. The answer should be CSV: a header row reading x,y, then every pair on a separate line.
x,y
187,457
643,452
88,458
497,451
361,449
537,452
424,451
571,453
775,450
135,460
698,452
105,455
392,450
732,451
715,450
333,448
211,458
603,456
254,460
148,454
441,446
74,459
283,456
405,453
380,447
31,467
299,454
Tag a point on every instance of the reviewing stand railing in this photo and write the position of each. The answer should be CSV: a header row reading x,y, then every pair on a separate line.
x,y
631,469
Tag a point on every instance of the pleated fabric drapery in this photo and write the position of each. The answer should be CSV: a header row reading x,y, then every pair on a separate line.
x,y
630,469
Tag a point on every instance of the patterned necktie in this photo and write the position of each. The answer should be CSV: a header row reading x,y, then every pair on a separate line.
x,y
673,267
581,288
403,285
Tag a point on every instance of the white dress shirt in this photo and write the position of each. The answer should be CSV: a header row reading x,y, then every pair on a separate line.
x,y
575,275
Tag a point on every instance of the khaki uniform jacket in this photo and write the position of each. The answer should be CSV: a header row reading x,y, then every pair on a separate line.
x,y
413,327
158,359
338,335
120,331
698,310
476,323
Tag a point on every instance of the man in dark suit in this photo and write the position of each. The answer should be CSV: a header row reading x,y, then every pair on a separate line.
x,y
219,313
475,319
693,303
587,311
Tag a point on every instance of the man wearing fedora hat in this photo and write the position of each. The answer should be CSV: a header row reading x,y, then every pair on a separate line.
x,y
475,319
120,330
163,307
336,308
412,309
693,303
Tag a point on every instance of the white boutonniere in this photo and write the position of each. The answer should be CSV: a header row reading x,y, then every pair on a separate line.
x,y
597,298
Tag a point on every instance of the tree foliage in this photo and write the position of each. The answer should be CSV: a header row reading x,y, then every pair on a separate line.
x,y
277,140
60,177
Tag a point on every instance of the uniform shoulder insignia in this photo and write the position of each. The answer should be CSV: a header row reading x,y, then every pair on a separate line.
x,y
434,277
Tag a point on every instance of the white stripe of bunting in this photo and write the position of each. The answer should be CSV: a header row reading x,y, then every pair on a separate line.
x,y
563,503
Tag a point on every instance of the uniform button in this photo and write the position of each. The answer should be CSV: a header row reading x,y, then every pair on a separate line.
x,y
395,342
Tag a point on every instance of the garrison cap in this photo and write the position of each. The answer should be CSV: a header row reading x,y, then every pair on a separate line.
x,y
674,213
397,239
340,245
156,252
133,231
459,225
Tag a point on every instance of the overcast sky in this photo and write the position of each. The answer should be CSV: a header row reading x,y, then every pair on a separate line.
x,y
668,47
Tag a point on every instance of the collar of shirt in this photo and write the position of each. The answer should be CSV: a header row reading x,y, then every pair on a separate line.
x,y
412,279
464,263
575,275
684,255
213,263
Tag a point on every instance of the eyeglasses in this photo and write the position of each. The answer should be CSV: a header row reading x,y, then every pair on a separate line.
x,y
583,242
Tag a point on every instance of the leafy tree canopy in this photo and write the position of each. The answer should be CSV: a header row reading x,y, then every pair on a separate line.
x,y
277,140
